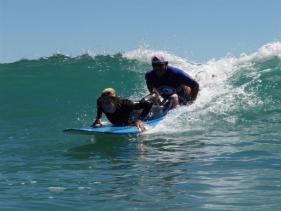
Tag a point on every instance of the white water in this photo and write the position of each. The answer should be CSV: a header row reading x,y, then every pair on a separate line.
x,y
218,97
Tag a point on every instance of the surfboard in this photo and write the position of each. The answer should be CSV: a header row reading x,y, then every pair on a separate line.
x,y
111,129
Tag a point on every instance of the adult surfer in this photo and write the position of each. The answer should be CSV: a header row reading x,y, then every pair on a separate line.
x,y
173,84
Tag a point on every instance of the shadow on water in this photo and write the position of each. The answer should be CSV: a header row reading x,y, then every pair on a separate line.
x,y
110,146
116,146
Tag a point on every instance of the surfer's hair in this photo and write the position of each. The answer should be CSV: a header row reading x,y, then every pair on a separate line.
x,y
111,93
108,92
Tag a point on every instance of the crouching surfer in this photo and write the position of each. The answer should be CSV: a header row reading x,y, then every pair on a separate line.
x,y
121,112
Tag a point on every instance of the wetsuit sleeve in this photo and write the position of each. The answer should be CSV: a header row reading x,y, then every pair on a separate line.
x,y
99,110
146,106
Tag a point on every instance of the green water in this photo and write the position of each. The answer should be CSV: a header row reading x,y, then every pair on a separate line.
x,y
221,153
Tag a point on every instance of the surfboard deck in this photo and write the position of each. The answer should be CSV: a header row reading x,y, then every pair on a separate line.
x,y
111,129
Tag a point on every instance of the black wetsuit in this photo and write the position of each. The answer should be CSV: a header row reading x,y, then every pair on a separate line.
x,y
123,111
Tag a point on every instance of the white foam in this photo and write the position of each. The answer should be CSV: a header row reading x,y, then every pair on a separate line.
x,y
56,189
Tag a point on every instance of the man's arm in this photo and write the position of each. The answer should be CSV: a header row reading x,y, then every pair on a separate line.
x,y
194,91
187,80
149,83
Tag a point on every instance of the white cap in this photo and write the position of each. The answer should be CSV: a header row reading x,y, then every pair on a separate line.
x,y
158,59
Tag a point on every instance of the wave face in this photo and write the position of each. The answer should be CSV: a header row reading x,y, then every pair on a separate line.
x,y
211,155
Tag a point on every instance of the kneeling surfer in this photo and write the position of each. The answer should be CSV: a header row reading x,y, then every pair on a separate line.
x,y
119,111
173,84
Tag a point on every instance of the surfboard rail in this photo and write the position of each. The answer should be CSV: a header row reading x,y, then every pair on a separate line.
x,y
111,129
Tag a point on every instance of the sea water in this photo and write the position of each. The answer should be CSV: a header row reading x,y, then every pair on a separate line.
x,y
221,153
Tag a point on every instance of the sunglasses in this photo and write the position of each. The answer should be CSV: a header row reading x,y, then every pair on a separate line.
x,y
158,64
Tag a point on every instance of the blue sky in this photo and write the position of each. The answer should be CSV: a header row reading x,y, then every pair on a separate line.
x,y
195,29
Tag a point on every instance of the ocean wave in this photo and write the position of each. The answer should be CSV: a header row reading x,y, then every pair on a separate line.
x,y
233,90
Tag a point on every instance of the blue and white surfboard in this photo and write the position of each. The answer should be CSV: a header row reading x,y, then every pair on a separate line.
x,y
111,129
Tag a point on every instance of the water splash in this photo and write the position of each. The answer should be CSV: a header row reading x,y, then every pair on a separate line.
x,y
228,86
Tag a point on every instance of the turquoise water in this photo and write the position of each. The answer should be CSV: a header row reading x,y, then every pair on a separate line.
x,y
221,153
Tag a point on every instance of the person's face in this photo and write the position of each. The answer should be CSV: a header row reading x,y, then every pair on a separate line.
x,y
107,104
159,69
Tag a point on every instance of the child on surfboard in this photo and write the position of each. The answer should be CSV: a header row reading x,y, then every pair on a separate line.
x,y
120,111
